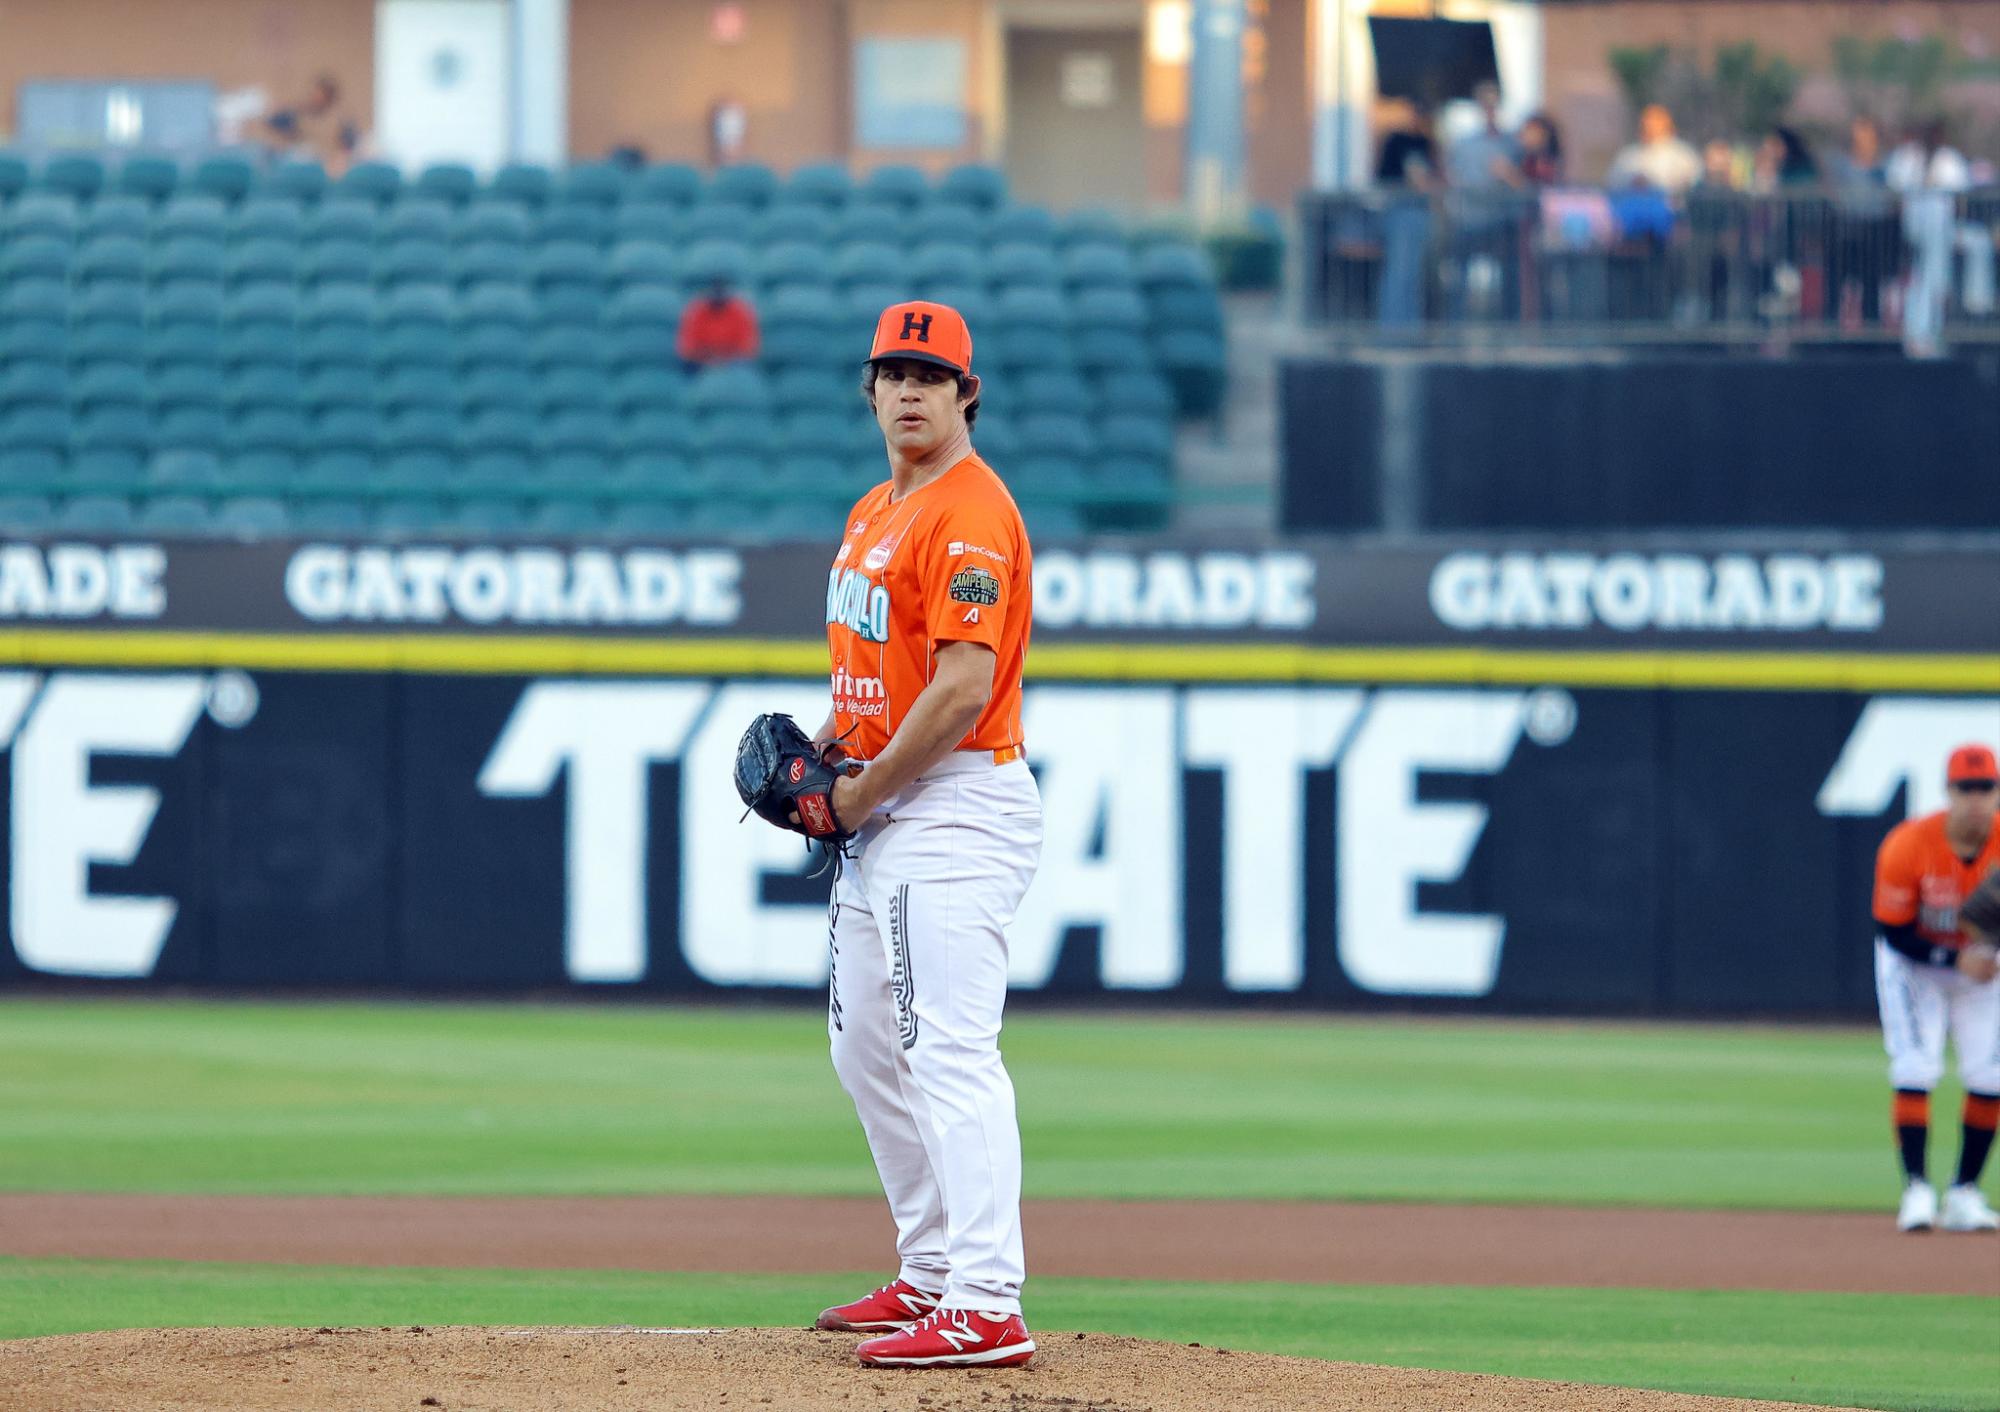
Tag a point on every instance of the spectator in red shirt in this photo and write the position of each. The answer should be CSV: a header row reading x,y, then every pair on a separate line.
x,y
716,327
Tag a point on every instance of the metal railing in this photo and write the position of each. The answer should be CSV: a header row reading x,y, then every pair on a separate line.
x,y
1585,263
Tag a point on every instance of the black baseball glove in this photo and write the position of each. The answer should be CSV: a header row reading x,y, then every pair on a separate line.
x,y
784,778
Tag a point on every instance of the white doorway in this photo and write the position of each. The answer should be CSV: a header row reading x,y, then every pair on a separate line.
x,y
443,75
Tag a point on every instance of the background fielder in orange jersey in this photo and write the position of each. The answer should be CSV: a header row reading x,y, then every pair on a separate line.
x,y
1930,983
927,622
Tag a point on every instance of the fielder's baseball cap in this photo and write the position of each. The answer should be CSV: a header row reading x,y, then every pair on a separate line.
x,y
1971,762
925,332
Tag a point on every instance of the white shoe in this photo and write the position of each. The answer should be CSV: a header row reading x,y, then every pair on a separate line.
x,y
1919,1209
1965,1209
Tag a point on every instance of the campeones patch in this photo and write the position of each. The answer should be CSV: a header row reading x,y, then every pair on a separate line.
x,y
974,586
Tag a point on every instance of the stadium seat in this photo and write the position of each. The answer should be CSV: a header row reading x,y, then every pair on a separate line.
x,y
789,220
566,516
411,264
255,387
35,257
653,434
420,387
351,428
261,261
947,225
1098,267
44,213
790,264
565,348
669,182
1192,308
191,216
109,384
1175,264
1022,225
128,217
868,264
415,304
14,175
189,426
646,389
563,388
327,515
342,220
347,306
749,184
823,184
497,306
1027,306
190,259
982,188
799,324
415,218
74,174
342,472
252,517
817,389
731,387
378,182
489,262
266,218
492,428
960,265
1057,434
566,265
1108,350
90,514
295,180
183,469
224,177
600,184
642,262
482,349
644,306
482,517
487,219
522,184
149,178
645,220
108,257
1052,520
1090,225
711,260
173,514
408,516
450,182
712,221
24,514
895,185
1196,364
574,221
1136,391
94,340
866,223
1030,266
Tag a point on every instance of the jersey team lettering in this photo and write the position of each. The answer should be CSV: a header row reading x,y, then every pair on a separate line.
x,y
974,586
859,604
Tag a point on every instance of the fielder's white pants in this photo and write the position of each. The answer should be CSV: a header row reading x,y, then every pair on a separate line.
x,y
918,943
1922,1004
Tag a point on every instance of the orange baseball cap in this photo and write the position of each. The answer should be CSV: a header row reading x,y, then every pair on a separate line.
x,y
926,332
1971,762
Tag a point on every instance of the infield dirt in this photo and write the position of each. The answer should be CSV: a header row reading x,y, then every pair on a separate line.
x,y
761,1370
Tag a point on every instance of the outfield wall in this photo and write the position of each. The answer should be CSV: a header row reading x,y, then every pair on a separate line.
x,y
1591,777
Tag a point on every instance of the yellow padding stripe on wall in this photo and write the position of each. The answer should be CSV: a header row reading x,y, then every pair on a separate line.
x,y
527,655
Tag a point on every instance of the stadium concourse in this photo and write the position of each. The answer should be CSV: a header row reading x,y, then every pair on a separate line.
x,y
250,349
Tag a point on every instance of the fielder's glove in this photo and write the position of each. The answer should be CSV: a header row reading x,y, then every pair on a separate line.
x,y
786,779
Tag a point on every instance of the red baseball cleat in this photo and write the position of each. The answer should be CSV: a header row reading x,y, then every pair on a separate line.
x,y
896,1305
948,1338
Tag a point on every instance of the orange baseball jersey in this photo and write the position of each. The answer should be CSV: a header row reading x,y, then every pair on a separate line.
x,y
949,562
1918,879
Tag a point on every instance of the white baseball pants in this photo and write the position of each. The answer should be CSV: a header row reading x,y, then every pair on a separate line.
x,y
1922,1004
917,935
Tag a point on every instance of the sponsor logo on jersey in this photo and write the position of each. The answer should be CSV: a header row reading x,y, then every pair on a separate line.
x,y
859,696
959,546
885,551
974,586
859,604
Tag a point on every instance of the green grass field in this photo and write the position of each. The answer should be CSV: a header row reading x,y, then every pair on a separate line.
x,y
123,1095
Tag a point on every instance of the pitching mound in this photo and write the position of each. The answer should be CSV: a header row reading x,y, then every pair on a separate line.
x,y
761,1370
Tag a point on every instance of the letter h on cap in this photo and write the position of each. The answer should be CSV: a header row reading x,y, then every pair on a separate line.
x,y
918,325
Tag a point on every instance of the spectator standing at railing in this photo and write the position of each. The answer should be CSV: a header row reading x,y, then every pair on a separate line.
x,y
1407,171
1660,159
1929,173
1541,151
717,326
1866,241
1790,267
1483,171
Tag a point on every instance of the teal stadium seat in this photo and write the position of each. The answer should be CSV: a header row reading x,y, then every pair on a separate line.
x,y
343,220
590,224
480,348
947,264
322,472
1023,225
266,218
1057,435
486,219
409,517
896,185
108,384
345,428
522,184
716,259
1090,225
416,387
750,184
496,430
788,220
1108,308
295,180
414,305
127,217
193,259
710,221
450,182
261,262
411,264
377,182
730,387
25,514
94,514
647,519
947,225
799,325
1107,350
39,213
35,257
74,174
671,183
191,216
634,389
823,184
14,174
642,263
653,434
867,222
1136,391
252,517
149,178
505,307
567,517
415,217
1023,265
497,388
982,188
567,387
868,263
819,388
253,387
489,262
861,304
1196,364
569,268
1098,267
562,347
478,518
327,515
600,184
224,177
792,264
645,220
